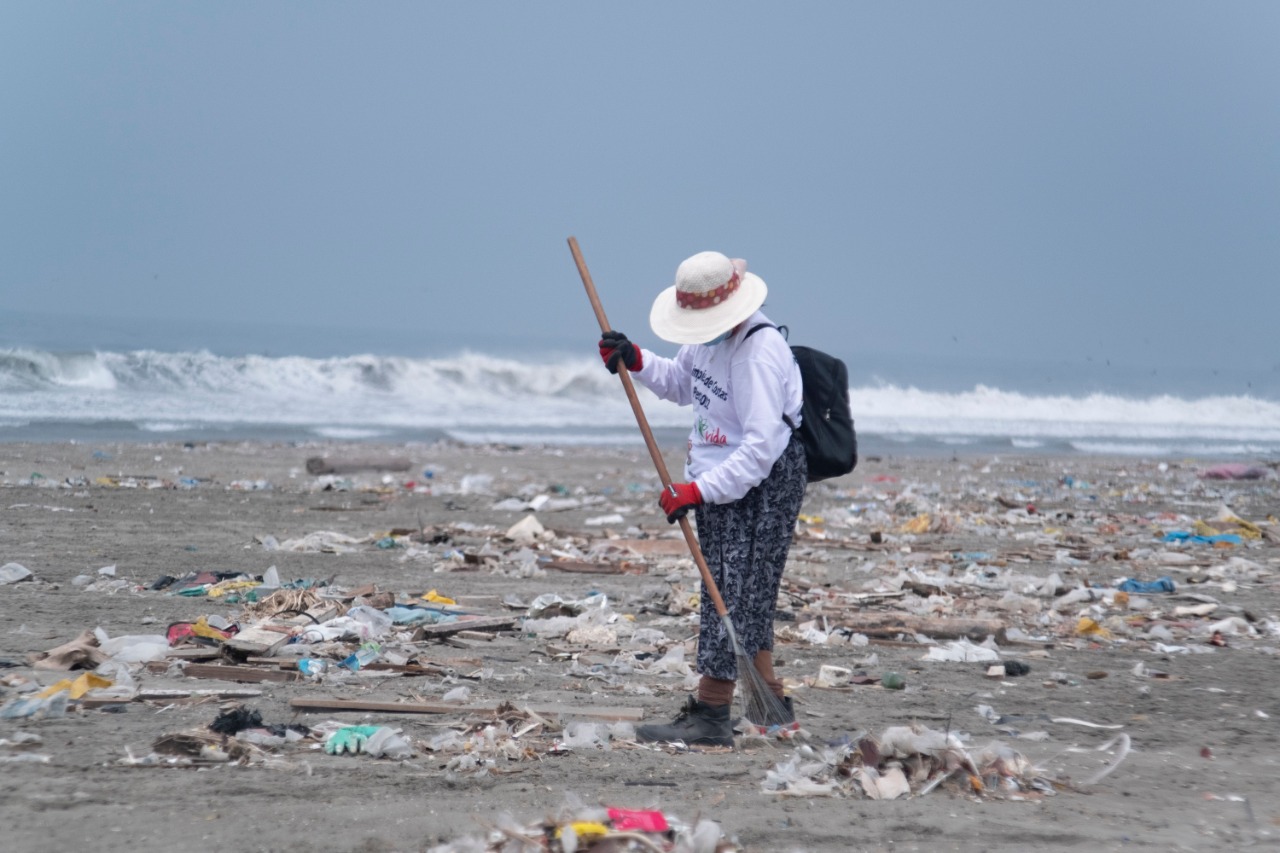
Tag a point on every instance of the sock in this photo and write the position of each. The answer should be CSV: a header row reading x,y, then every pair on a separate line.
x,y
715,691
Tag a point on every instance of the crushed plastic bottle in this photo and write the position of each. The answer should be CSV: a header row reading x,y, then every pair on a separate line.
x,y
362,657
374,622
313,668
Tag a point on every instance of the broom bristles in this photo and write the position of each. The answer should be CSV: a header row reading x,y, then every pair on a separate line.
x,y
761,705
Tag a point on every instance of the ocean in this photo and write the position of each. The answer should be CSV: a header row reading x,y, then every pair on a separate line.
x,y
96,380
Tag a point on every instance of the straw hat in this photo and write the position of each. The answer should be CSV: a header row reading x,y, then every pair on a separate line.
x,y
712,294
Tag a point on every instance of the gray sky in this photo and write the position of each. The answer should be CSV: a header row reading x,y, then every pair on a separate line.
x,y
926,178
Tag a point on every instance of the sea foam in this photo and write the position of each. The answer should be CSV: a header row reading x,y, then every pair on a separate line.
x,y
478,397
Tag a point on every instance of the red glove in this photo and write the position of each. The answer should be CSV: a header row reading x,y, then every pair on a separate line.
x,y
615,347
678,498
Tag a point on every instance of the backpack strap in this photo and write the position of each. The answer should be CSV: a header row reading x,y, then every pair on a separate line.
x,y
782,330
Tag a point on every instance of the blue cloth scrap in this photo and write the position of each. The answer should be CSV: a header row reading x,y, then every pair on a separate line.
x,y
1164,584
418,615
1187,536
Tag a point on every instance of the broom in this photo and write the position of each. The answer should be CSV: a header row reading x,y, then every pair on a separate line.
x,y
761,705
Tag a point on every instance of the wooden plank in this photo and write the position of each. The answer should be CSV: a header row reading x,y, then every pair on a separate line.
x,y
406,669
291,665
92,704
475,601
160,694
322,612
579,567
888,624
194,653
246,674
651,547
258,640
587,711
340,464
176,696
484,623
277,663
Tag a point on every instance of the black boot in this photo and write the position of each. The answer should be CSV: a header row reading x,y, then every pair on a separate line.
x,y
697,723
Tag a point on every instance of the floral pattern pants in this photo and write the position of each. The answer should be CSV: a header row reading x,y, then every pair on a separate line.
x,y
745,544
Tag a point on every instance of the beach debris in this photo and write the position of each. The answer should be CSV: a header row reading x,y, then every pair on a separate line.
x,y
613,713
526,531
84,652
963,651
35,707
904,761
1236,471
14,573
351,464
887,574
578,828
374,741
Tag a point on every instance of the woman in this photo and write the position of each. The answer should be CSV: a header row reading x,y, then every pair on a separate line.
x,y
745,471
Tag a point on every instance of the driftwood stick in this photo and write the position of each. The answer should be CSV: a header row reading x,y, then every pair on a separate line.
x,y
890,624
351,464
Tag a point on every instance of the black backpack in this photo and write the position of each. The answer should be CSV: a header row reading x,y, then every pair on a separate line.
x,y
826,423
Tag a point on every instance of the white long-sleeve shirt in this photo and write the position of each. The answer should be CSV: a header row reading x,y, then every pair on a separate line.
x,y
739,390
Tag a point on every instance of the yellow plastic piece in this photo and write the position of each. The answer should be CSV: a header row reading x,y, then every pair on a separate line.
x,y
1203,529
82,685
202,628
919,524
226,587
436,598
1086,627
586,830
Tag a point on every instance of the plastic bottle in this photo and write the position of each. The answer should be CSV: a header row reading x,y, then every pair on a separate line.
x,y
374,622
313,667
361,657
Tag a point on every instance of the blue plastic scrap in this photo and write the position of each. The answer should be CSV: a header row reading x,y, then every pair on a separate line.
x,y
1164,584
1188,536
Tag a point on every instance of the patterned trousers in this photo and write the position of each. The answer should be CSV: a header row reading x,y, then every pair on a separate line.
x,y
745,544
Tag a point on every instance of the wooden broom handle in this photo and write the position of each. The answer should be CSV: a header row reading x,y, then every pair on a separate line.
x,y
643,422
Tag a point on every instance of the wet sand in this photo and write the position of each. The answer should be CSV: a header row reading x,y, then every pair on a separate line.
x,y
1202,775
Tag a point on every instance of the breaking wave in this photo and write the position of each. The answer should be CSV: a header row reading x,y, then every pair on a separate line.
x,y
476,397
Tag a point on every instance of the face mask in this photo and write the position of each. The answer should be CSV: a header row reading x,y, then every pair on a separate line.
x,y
720,339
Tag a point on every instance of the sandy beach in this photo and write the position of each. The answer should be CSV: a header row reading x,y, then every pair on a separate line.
x,y
1187,675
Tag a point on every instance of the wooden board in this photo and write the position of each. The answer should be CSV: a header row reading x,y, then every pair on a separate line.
x,y
257,641
581,568
587,711
651,547
484,623
176,696
193,653
339,464
247,674
881,624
